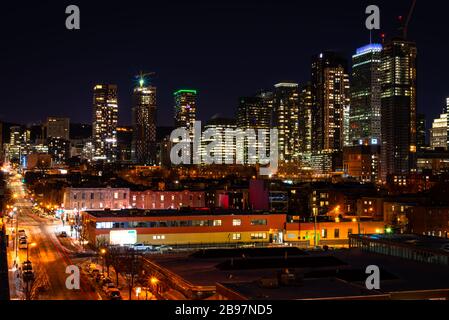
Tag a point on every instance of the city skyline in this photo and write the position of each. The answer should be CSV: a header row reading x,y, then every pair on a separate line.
x,y
216,151
242,74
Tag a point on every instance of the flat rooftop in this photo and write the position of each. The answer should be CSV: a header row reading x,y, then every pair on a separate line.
x,y
326,274
440,245
324,288
129,213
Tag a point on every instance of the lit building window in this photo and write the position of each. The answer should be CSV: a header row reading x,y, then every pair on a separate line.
x,y
236,236
236,222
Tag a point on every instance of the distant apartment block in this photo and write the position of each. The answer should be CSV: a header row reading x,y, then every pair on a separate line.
x,y
159,200
96,198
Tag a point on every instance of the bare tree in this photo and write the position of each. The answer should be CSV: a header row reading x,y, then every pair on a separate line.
x,y
125,261
131,268
113,258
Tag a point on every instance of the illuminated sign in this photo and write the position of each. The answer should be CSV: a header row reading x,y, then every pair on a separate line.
x,y
123,237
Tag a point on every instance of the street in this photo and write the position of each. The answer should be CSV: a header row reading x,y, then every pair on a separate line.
x,y
50,255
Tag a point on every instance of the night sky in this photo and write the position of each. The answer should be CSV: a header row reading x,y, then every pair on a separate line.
x,y
225,49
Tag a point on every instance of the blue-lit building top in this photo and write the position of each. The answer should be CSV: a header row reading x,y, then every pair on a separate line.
x,y
373,47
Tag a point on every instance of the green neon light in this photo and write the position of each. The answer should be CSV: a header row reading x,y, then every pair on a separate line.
x,y
185,91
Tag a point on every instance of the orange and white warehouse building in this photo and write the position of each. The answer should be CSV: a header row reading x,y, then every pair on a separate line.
x,y
183,227
207,226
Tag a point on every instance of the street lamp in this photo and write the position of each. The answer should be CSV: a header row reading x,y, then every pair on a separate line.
x,y
154,283
102,253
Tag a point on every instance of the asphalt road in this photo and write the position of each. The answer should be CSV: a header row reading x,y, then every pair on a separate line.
x,y
51,255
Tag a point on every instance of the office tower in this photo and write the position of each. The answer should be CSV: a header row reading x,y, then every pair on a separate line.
x,y
58,128
421,132
398,111
331,100
144,124
125,137
104,124
286,120
19,144
185,109
59,149
439,134
14,143
305,125
267,105
223,149
366,92
255,113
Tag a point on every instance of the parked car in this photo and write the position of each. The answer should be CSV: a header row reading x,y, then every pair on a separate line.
x,y
141,247
28,275
114,294
105,281
23,244
164,248
21,233
108,286
27,266
63,234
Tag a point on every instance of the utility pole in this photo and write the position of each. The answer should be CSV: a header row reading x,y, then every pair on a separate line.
x,y
315,230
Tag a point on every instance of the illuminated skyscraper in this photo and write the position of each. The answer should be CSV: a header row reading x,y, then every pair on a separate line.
x,y
364,120
144,150
331,101
220,125
104,124
286,120
19,144
305,125
440,130
185,109
398,112
254,113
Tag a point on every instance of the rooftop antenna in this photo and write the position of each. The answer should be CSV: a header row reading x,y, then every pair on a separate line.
x,y
141,77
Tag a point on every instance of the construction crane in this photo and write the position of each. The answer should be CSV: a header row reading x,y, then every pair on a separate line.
x,y
141,77
407,21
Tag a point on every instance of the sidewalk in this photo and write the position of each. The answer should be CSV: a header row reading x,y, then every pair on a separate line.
x,y
122,285
15,282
